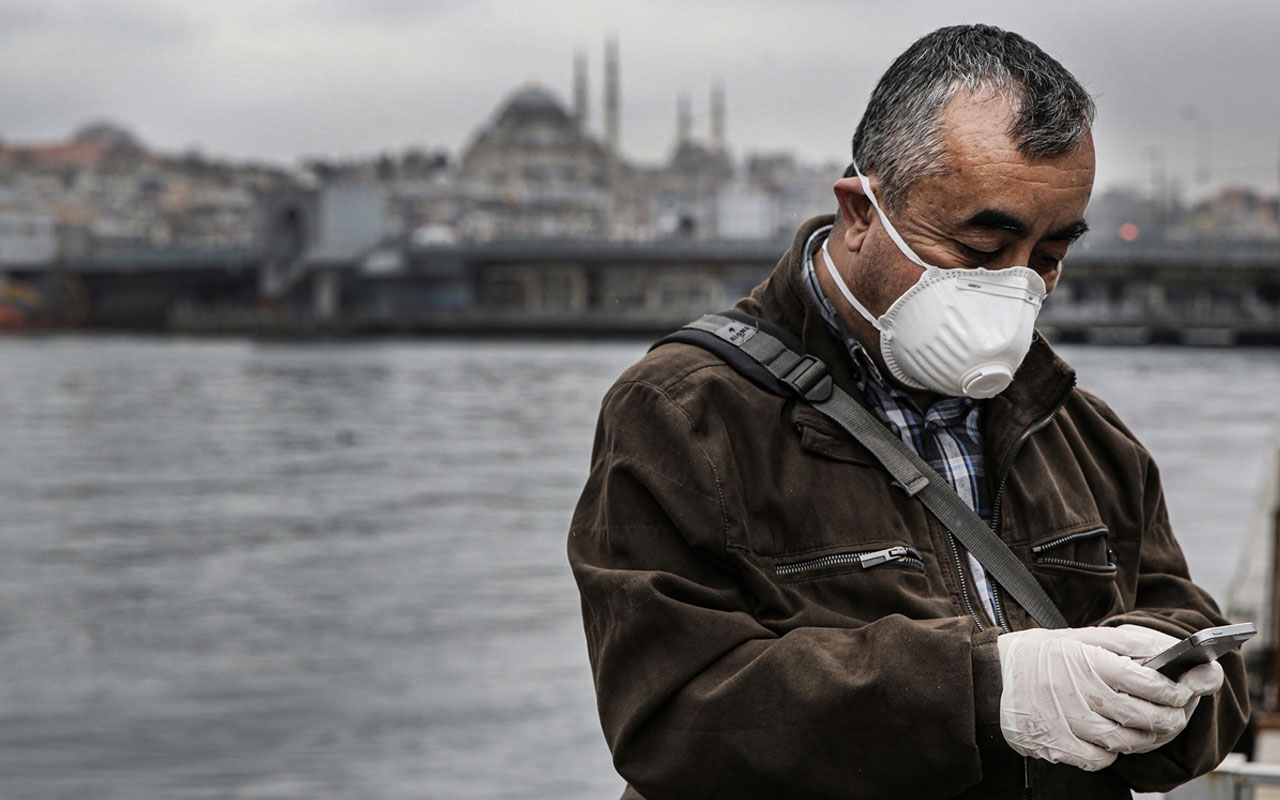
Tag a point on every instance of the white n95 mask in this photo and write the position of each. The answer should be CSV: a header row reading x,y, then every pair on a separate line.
x,y
955,331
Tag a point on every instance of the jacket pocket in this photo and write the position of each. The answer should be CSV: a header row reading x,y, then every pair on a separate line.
x,y
900,555
821,437
851,584
1079,572
1084,550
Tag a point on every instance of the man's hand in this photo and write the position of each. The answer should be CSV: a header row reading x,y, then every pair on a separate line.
x,y
1140,643
1077,696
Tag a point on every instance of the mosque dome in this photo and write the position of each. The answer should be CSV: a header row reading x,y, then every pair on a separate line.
x,y
533,103
531,142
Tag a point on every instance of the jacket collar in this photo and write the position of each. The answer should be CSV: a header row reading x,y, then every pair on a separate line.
x,y
1040,387
784,299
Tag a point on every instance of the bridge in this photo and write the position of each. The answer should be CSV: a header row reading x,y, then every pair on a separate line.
x,y
1195,293
1206,294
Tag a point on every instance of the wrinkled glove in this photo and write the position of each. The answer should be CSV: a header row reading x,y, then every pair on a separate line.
x,y
1141,643
1077,696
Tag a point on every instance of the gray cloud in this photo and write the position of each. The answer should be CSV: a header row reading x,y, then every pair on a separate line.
x,y
289,78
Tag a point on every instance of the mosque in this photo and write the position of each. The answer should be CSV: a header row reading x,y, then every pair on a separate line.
x,y
534,170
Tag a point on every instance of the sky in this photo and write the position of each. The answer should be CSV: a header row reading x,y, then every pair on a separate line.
x,y
1185,90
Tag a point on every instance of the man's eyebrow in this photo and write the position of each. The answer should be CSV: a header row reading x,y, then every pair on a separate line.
x,y
1070,232
993,219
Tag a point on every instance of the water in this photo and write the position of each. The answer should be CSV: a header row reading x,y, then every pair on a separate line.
x,y
239,570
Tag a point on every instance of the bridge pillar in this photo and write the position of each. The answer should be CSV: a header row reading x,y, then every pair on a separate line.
x,y
326,294
1157,303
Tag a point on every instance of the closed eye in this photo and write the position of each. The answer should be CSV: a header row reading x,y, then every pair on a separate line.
x,y
1045,263
976,255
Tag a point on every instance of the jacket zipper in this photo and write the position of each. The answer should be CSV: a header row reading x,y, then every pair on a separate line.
x,y
1022,440
1006,468
1000,619
1071,537
866,560
1066,562
964,585
1102,569
999,606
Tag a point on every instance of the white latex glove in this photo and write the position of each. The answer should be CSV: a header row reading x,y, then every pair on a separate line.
x,y
1077,696
1141,643
1205,679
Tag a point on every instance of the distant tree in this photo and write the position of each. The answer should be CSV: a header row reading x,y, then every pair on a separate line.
x,y
421,163
321,169
386,169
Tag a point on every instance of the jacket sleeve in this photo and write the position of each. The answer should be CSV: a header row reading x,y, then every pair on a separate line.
x,y
698,698
1167,600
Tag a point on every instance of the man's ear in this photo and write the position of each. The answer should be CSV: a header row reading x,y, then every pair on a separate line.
x,y
855,211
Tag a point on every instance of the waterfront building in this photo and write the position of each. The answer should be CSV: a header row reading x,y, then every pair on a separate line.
x,y
109,196
27,238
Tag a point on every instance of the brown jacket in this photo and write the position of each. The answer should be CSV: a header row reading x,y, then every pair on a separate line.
x,y
717,675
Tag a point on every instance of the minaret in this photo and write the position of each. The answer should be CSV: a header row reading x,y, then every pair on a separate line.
x,y
611,141
580,91
717,117
684,120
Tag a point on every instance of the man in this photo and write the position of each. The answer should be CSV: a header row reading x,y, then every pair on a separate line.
x,y
768,615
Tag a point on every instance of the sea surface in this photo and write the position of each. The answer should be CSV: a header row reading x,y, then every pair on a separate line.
x,y
233,569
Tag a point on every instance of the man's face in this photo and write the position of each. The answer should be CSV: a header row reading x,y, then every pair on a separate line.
x,y
992,208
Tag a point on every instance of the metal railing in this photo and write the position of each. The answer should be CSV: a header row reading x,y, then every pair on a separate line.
x,y
1236,778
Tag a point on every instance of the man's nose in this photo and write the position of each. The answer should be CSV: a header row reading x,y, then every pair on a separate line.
x,y
1015,256
1020,256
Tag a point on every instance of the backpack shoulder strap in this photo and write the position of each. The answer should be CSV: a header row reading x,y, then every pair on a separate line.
x,y
773,359
774,362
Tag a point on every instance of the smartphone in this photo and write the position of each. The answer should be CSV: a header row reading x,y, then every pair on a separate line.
x,y
1200,647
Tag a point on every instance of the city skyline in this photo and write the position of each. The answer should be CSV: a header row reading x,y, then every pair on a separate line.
x,y
1182,97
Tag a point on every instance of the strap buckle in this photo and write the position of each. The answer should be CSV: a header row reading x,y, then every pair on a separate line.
x,y
809,379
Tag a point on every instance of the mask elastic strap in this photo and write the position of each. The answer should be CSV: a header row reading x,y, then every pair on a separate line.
x,y
884,220
844,289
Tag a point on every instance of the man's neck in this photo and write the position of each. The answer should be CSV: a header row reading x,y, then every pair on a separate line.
x,y
862,330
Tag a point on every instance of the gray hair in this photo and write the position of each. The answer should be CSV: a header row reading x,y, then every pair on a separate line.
x,y
900,135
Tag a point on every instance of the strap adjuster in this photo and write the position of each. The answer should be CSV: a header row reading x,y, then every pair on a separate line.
x,y
809,379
